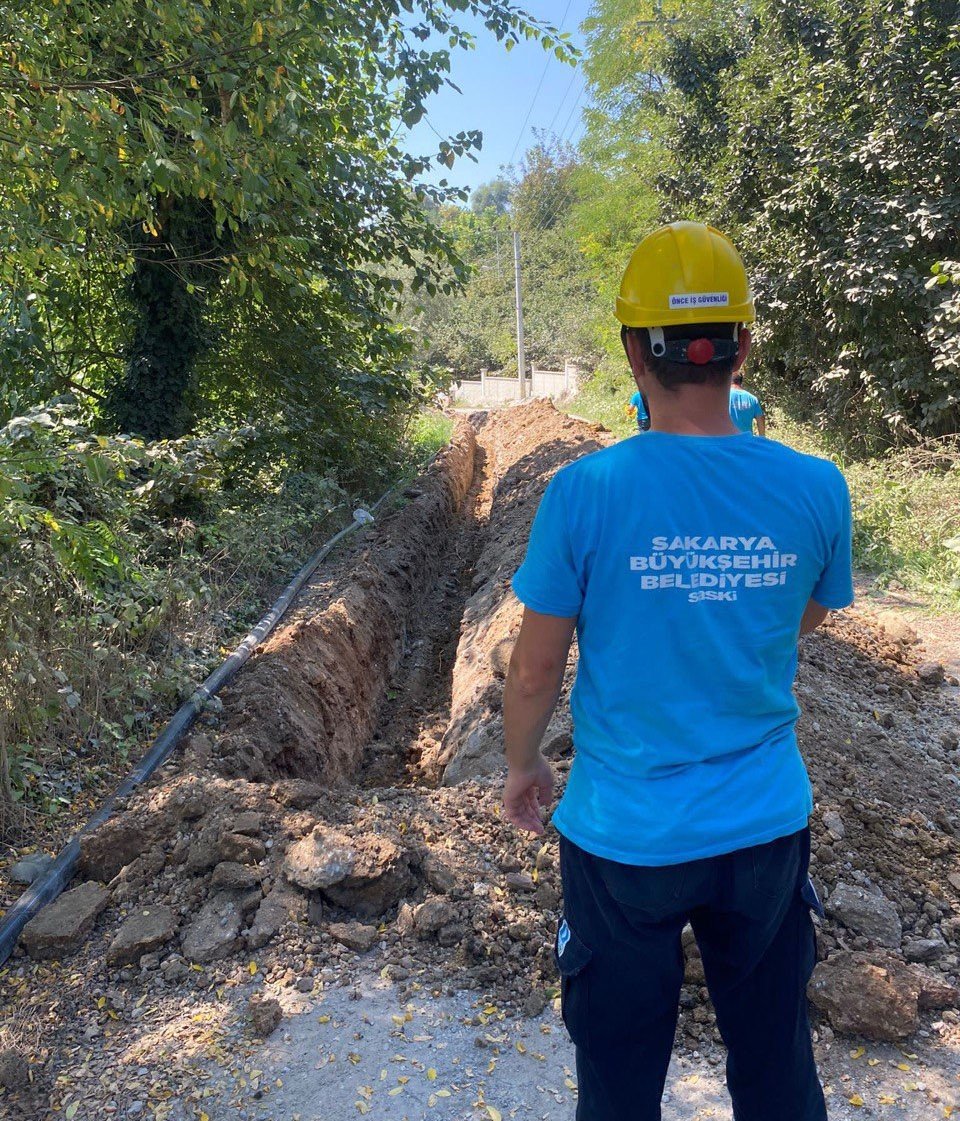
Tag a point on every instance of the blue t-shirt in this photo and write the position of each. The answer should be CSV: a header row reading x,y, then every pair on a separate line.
x,y
743,408
643,417
688,561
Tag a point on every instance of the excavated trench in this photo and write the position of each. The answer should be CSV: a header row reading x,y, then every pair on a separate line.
x,y
381,688
383,675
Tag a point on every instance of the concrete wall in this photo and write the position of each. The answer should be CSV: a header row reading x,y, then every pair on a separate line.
x,y
491,390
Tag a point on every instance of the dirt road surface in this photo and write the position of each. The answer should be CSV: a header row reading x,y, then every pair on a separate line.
x,y
317,912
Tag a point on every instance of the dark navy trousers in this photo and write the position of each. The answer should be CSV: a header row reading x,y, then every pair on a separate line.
x,y
621,965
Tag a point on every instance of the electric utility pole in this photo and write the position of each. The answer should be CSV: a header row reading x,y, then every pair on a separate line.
x,y
521,353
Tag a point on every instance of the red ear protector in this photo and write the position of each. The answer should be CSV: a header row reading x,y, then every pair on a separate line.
x,y
696,352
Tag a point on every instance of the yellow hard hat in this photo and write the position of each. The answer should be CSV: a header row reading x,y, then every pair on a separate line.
x,y
684,273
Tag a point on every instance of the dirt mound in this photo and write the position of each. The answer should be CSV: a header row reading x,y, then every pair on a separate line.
x,y
529,445
881,746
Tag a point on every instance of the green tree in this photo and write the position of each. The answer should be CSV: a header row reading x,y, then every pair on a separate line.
x,y
164,159
494,195
821,136
465,330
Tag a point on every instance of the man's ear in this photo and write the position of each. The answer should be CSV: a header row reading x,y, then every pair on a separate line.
x,y
745,340
631,344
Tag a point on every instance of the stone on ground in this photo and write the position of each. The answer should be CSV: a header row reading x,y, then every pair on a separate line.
x,y
366,875
924,949
264,1016
876,994
931,673
280,905
114,844
143,932
873,916
354,935
834,825
215,931
237,877
30,868
322,858
240,848
64,923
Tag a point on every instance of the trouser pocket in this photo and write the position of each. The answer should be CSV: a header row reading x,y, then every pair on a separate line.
x,y
572,958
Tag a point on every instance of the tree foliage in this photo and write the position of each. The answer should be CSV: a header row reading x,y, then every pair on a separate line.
x,y
822,136
474,328
167,166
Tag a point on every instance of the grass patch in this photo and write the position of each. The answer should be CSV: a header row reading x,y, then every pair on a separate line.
x,y
906,508
604,399
429,432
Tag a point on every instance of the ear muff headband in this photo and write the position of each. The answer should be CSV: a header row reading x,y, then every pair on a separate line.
x,y
691,352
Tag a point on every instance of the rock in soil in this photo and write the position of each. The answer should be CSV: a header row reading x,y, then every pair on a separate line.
x,y
924,949
354,935
322,858
30,868
834,825
114,844
876,994
65,922
236,877
381,876
866,913
280,905
214,933
931,673
264,1016
143,932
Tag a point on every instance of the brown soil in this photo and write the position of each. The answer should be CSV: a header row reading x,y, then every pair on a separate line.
x,y
342,746
311,697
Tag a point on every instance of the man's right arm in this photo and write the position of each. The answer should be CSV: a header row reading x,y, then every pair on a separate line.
x,y
835,586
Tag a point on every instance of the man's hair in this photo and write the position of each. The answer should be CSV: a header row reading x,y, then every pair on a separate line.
x,y
738,378
671,375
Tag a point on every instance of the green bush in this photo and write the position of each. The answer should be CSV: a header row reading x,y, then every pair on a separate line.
x,y
126,566
906,506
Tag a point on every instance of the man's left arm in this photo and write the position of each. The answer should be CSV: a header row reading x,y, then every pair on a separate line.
x,y
761,419
530,695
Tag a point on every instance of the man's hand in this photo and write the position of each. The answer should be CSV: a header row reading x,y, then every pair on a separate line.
x,y
526,793
530,695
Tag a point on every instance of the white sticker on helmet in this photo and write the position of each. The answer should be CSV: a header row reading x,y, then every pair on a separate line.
x,y
700,299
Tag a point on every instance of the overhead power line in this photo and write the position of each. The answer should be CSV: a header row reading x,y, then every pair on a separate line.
x,y
536,92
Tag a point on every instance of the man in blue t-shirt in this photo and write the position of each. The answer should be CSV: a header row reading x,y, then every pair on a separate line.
x,y
745,408
638,409
688,800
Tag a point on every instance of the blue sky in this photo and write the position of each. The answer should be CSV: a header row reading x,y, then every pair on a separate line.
x,y
499,88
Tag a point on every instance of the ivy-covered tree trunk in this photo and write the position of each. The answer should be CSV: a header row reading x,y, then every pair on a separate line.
x,y
156,395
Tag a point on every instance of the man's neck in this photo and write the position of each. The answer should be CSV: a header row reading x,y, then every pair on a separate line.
x,y
692,410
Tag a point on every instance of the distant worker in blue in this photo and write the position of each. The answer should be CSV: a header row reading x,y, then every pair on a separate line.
x,y
745,408
638,408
